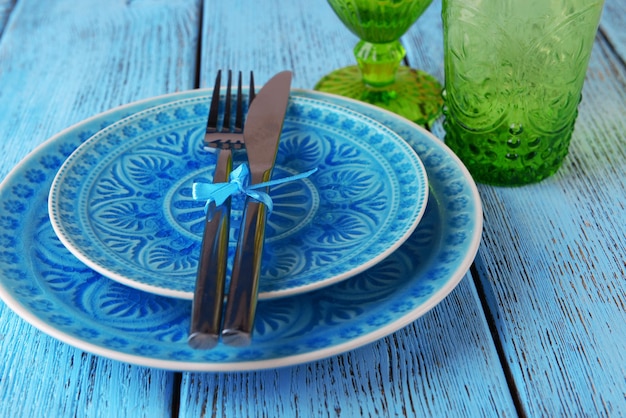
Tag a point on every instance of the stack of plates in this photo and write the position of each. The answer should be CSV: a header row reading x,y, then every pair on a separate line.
x,y
101,233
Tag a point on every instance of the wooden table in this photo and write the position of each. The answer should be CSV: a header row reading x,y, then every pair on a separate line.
x,y
536,328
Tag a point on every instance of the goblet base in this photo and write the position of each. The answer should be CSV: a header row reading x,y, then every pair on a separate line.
x,y
414,95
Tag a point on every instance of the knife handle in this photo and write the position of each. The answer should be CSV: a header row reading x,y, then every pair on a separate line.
x,y
244,281
208,299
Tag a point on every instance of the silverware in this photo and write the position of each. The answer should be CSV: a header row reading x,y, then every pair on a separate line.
x,y
209,291
262,133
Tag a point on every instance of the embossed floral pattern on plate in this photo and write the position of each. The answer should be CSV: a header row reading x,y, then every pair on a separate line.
x,y
43,283
122,202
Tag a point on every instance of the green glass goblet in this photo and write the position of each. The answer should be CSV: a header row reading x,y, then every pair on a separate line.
x,y
379,78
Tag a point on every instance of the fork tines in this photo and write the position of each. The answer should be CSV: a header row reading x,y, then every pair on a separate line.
x,y
230,138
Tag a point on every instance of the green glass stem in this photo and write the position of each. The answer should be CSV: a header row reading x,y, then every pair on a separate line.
x,y
379,62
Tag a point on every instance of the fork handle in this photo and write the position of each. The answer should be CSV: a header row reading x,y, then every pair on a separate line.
x,y
206,310
244,282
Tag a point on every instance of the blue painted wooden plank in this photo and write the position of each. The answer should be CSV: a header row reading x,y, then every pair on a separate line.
x,y
62,62
445,364
268,36
41,377
6,6
612,25
441,365
565,336
103,57
424,42
552,259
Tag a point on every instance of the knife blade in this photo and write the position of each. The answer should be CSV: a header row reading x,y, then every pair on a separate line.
x,y
261,136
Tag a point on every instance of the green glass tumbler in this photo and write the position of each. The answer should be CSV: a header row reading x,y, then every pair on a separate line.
x,y
378,78
514,75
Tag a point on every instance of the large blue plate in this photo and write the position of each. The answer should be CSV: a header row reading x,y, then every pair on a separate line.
x,y
122,203
43,283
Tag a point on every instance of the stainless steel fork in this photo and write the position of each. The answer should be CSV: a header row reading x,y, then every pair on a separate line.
x,y
206,311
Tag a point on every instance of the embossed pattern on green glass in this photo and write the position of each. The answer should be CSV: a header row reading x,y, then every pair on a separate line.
x,y
514,76
378,78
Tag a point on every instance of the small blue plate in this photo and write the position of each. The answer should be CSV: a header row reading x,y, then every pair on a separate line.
x,y
122,202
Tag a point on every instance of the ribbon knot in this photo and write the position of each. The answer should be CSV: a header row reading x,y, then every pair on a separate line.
x,y
239,183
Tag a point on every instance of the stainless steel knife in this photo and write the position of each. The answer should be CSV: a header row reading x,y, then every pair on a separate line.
x,y
261,136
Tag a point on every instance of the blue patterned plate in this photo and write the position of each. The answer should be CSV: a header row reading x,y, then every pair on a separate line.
x,y
43,283
122,202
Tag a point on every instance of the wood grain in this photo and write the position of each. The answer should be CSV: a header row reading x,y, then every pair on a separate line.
x,y
44,378
62,62
441,365
272,36
558,289
551,267
612,26
6,6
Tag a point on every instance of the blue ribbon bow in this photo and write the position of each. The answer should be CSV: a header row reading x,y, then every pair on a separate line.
x,y
239,183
